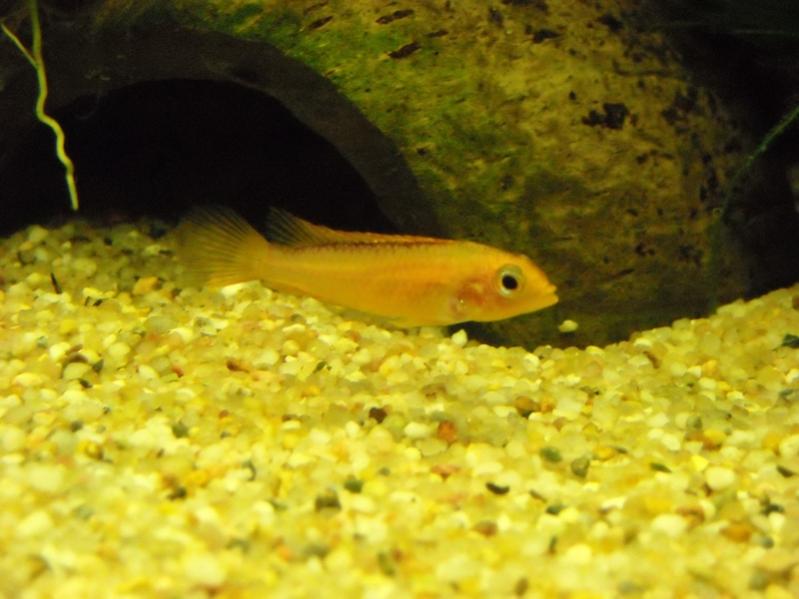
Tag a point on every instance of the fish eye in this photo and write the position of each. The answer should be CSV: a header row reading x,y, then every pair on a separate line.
x,y
509,282
510,279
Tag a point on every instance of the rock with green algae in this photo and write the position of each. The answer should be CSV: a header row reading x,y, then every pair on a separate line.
x,y
557,129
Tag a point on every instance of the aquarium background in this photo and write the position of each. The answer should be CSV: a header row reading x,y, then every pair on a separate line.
x,y
163,438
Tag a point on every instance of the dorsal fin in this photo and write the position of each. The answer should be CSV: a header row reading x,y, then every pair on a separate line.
x,y
286,229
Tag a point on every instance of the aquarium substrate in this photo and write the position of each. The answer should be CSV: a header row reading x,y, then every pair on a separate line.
x,y
159,440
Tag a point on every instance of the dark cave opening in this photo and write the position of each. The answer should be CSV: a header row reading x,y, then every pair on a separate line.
x,y
158,147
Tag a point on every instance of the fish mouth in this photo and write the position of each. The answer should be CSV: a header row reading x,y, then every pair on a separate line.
x,y
549,300
549,297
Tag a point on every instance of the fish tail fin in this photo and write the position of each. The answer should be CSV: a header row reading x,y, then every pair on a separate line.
x,y
218,247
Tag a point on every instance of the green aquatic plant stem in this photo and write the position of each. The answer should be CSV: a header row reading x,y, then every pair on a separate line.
x,y
777,130
784,123
37,61
18,44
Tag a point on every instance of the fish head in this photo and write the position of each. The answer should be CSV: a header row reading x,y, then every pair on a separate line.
x,y
505,285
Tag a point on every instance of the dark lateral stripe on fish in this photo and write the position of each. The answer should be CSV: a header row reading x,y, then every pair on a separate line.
x,y
354,246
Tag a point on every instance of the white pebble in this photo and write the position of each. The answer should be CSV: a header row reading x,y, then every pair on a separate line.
x,y
579,554
118,350
671,442
75,370
706,383
776,521
317,436
739,438
28,379
36,279
37,234
298,459
25,343
362,356
230,291
699,463
355,376
85,266
58,350
457,567
185,333
417,430
266,359
344,345
568,326
84,409
614,503
657,420
532,362
677,369
148,373
669,524
459,338
152,250
290,347
264,513
639,361
73,396
789,446
46,478
36,523
155,434
12,439
352,429
204,569
10,401
291,367
719,478
373,530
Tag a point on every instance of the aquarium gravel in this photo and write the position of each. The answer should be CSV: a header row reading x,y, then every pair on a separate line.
x,y
159,440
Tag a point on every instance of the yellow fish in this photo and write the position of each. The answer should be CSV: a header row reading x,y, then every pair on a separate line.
x,y
408,280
